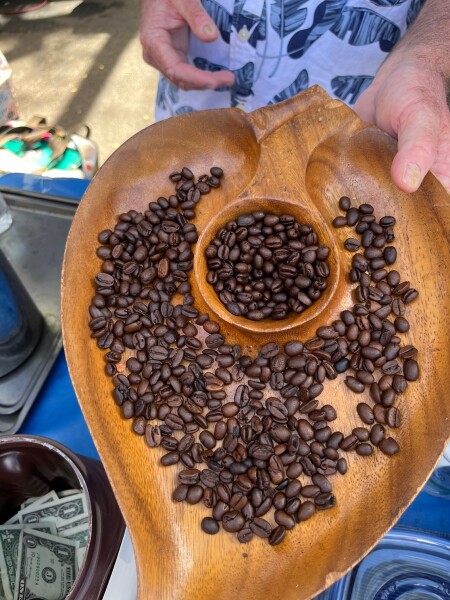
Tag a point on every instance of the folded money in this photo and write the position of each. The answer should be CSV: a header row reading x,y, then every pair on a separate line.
x,y
42,547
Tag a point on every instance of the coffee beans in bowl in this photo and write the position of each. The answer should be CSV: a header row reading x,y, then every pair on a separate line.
x,y
263,266
249,436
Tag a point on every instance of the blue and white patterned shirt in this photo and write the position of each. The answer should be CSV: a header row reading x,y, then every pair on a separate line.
x,y
277,48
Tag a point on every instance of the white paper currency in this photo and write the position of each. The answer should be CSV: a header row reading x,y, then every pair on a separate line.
x,y
42,546
63,511
46,566
9,547
37,501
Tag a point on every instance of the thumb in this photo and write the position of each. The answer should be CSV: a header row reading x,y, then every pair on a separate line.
x,y
418,143
200,23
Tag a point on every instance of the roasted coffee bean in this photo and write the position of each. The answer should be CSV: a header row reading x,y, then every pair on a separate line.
x,y
180,493
261,527
410,370
352,245
194,494
342,466
365,413
233,521
277,536
364,449
388,446
393,417
354,384
344,203
189,476
407,352
171,458
349,442
210,526
306,511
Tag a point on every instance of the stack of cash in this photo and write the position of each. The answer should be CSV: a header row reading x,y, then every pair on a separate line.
x,y
43,545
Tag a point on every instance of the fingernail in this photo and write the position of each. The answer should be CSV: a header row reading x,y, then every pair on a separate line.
x,y
412,176
208,29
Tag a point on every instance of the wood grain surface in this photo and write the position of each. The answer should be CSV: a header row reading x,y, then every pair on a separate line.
x,y
305,152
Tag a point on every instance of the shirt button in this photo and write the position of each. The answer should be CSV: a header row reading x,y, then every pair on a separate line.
x,y
244,34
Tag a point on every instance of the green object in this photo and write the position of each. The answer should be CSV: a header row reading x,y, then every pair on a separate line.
x,y
70,160
16,146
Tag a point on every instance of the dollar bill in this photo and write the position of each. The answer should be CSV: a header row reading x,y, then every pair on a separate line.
x,y
65,493
81,535
84,520
63,511
2,591
46,566
9,546
38,500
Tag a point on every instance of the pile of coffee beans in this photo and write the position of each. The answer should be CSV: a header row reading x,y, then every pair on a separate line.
x,y
249,435
263,266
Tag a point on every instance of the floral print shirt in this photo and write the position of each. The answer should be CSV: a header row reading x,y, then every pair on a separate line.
x,y
277,48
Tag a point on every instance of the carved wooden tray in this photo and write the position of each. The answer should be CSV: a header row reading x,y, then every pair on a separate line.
x,y
307,151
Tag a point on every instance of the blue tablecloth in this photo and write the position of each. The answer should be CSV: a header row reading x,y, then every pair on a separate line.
x,y
57,415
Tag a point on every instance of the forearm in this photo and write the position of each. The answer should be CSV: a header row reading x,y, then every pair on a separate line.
x,y
428,38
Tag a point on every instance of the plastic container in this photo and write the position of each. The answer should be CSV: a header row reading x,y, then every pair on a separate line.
x,y
20,321
439,482
5,215
32,466
406,565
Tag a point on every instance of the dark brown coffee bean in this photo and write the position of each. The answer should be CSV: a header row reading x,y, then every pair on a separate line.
x,y
364,449
210,526
388,446
352,244
355,385
352,216
349,442
261,527
379,412
277,536
306,511
342,466
189,476
393,417
283,519
245,535
180,493
407,352
344,203
411,370
232,521
194,494
171,458
324,501
399,384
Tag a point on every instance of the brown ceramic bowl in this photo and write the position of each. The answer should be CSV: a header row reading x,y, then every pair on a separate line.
x,y
33,466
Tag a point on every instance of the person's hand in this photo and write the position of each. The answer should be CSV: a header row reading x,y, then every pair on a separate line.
x,y
164,35
407,99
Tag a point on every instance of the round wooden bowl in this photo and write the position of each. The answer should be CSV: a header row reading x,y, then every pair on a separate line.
x,y
294,324
303,153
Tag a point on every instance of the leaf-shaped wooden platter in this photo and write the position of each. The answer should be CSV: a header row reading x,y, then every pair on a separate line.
x,y
306,152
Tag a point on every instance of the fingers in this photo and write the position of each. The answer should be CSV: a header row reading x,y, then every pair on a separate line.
x,y
365,105
165,40
173,65
198,19
419,140
188,77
